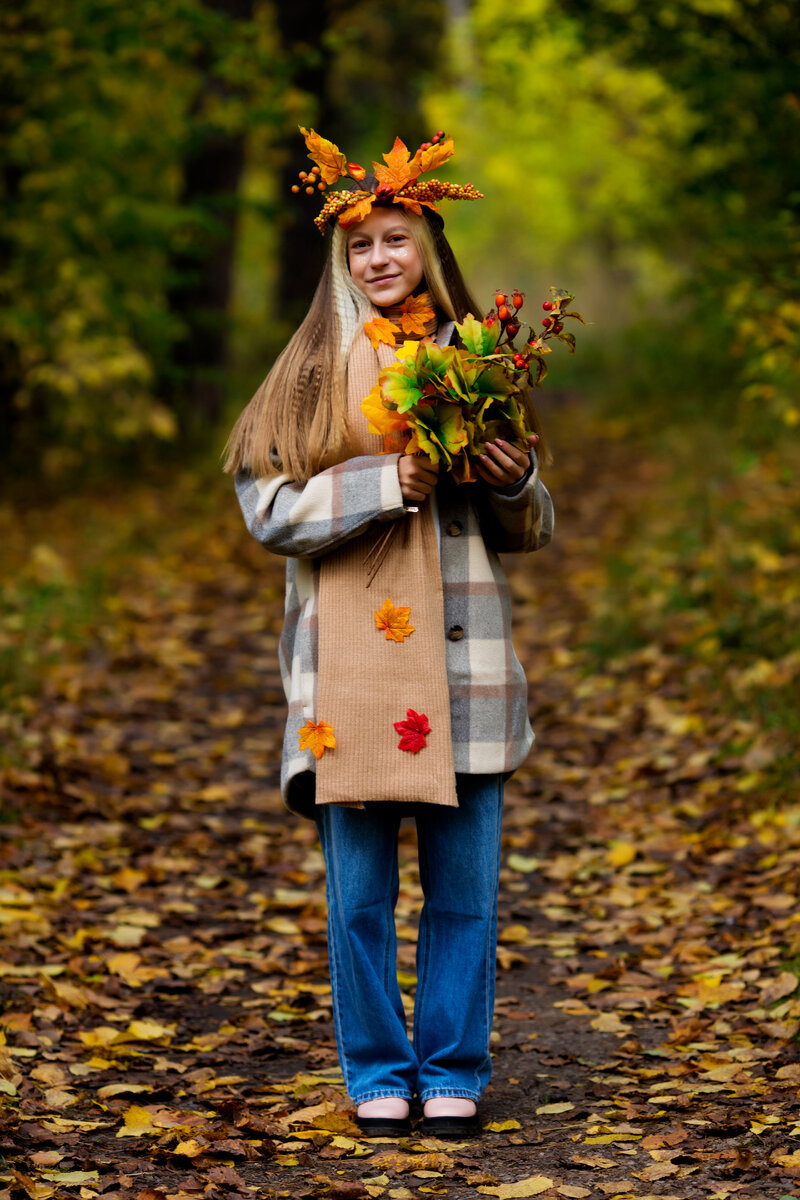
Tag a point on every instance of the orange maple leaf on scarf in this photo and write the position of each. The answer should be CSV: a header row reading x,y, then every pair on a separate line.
x,y
394,621
328,157
415,314
317,738
380,329
400,168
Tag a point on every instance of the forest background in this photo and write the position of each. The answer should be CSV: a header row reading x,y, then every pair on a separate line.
x,y
154,261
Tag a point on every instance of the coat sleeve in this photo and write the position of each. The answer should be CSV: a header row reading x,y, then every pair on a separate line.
x,y
306,520
517,519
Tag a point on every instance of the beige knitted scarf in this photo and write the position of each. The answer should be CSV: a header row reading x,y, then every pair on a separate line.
x,y
366,683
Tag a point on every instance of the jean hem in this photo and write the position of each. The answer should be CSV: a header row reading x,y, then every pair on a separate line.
x,y
434,1093
382,1094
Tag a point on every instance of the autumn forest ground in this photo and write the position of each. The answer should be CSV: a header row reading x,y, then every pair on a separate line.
x,y
165,1029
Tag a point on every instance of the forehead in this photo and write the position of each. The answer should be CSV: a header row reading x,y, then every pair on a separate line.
x,y
379,222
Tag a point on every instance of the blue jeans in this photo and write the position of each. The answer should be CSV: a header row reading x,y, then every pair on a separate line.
x,y
459,860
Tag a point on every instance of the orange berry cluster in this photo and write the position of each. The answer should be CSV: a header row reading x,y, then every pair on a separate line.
x,y
336,203
311,182
435,189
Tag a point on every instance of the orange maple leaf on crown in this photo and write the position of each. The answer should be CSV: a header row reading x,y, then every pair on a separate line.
x,y
400,168
327,155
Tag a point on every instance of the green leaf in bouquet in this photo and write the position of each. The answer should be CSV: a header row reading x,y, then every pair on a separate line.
x,y
567,338
439,432
576,316
400,386
476,336
562,297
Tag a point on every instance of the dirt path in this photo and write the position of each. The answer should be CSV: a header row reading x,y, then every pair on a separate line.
x,y
166,1006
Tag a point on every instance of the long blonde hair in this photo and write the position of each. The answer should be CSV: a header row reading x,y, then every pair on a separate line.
x,y
297,422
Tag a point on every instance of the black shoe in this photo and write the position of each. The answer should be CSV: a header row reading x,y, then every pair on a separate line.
x,y
384,1126
452,1128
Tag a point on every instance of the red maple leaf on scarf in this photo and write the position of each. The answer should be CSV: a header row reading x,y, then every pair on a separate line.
x,y
412,731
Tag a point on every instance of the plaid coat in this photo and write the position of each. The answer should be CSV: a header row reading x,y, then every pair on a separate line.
x,y
488,689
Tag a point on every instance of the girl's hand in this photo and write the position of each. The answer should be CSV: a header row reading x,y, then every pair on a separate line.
x,y
504,465
417,476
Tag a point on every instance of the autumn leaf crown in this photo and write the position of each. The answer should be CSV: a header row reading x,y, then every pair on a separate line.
x,y
394,181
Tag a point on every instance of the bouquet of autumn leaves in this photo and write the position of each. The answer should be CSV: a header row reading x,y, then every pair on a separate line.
x,y
448,402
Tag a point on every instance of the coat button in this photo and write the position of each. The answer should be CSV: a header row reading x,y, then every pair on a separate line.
x,y
455,633
454,528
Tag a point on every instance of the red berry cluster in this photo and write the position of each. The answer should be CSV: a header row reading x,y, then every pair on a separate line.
x,y
508,318
552,323
437,137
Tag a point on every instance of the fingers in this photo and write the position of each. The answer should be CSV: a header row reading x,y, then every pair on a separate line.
x,y
417,476
503,464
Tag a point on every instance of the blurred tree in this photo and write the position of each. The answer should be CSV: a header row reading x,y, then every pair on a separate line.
x,y
736,201
111,116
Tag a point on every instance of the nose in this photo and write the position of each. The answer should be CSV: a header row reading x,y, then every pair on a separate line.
x,y
378,255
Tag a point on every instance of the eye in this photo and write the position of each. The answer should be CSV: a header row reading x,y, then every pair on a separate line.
x,y
360,244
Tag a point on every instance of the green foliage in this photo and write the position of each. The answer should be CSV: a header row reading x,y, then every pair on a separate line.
x,y
106,101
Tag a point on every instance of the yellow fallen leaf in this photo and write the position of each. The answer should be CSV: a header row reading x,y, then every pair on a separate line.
x,y
522,864
592,1160
573,1192
122,1089
532,1186
609,1023
620,853
148,1031
138,1122
502,1126
791,1161
191,1147
70,1178
551,1109
32,1187
514,933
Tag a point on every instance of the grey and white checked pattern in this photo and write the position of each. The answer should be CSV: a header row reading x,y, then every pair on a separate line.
x,y
488,689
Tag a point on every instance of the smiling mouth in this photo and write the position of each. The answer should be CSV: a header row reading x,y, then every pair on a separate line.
x,y
383,279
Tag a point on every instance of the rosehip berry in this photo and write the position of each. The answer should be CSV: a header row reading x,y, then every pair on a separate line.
x,y
518,298
384,190
512,328
547,322
490,320
557,327
437,137
500,298
503,312
548,306
426,146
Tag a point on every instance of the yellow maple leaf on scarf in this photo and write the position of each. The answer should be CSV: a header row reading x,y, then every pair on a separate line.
x,y
394,621
317,738
415,314
380,329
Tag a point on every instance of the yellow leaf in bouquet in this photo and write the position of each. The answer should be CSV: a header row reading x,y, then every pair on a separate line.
x,y
382,420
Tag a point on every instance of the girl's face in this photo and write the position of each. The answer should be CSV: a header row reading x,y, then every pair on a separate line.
x,y
384,261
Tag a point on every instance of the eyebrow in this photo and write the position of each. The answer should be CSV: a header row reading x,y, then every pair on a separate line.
x,y
390,232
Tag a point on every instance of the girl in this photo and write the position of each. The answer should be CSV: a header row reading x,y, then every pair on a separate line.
x,y
429,658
